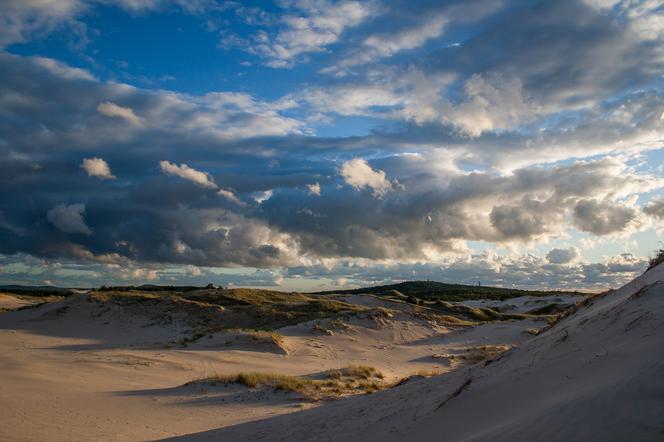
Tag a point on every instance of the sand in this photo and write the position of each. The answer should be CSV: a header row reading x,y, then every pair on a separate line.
x,y
72,371
596,375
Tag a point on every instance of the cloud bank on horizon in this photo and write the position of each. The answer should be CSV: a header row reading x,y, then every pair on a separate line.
x,y
312,144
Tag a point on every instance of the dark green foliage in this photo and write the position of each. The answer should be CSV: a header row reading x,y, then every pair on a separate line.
x,y
37,291
432,290
656,260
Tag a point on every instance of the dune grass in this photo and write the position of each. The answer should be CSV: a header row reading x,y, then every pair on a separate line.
x,y
214,310
332,384
656,260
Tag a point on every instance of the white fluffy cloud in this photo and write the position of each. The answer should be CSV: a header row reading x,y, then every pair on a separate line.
x,y
112,110
183,171
378,46
19,19
230,196
359,174
69,218
314,189
97,167
313,25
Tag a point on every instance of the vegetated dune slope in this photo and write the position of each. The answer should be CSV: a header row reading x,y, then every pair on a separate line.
x,y
597,375
109,365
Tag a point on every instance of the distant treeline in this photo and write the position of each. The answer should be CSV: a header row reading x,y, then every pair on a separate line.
x,y
155,288
35,290
448,292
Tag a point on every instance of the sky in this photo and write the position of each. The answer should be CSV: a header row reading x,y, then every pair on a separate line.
x,y
319,144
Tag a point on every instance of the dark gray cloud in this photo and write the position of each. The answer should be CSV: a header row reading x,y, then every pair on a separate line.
x,y
602,217
562,256
478,142
655,208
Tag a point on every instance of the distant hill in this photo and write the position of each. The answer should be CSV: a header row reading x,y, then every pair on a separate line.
x,y
155,288
434,290
35,290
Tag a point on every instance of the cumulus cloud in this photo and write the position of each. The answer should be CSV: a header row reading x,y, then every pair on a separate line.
x,y
562,256
262,196
97,167
230,196
112,110
602,217
20,19
313,25
314,189
655,208
359,174
517,222
69,218
378,46
537,122
63,70
202,179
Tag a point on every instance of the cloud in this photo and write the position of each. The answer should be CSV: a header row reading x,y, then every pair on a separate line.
x,y
63,70
69,218
512,125
183,171
387,44
655,208
314,189
20,19
97,167
562,256
112,110
359,174
262,196
230,196
313,25
517,222
602,217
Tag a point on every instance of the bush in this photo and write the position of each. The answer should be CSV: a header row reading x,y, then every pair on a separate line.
x,y
656,260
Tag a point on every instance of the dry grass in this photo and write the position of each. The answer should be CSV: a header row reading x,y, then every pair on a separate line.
x,y
332,385
473,355
209,311
656,260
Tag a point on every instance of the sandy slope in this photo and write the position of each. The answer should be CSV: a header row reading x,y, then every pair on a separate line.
x,y
597,375
13,302
71,370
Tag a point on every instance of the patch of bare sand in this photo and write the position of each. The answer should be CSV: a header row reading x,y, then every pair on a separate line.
x,y
9,301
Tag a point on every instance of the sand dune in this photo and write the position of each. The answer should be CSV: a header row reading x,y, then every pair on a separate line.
x,y
89,368
596,375
95,367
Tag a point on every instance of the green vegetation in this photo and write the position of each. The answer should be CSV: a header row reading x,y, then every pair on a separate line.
x,y
35,291
432,290
656,260
207,311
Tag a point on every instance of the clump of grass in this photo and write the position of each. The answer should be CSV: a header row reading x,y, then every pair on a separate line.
x,y
333,384
356,371
656,260
427,373
480,353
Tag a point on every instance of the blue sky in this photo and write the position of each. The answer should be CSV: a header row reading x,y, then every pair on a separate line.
x,y
309,144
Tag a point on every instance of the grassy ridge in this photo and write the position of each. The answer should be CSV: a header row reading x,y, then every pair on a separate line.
x,y
331,385
432,290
